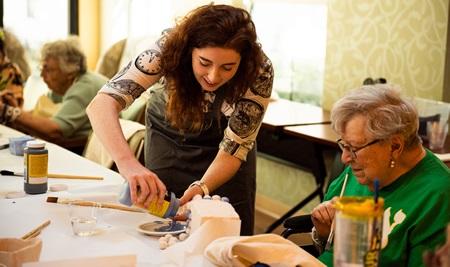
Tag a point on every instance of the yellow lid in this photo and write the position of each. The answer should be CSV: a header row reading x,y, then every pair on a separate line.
x,y
360,206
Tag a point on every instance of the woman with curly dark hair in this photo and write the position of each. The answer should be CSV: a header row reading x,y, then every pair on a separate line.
x,y
213,87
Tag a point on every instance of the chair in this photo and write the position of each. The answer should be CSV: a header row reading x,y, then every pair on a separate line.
x,y
136,111
108,64
117,57
77,145
303,223
134,133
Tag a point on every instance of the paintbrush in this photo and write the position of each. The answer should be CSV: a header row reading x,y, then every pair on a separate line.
x,y
36,231
331,236
55,175
92,203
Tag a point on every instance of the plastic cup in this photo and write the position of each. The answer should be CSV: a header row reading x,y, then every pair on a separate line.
x,y
436,134
358,232
83,218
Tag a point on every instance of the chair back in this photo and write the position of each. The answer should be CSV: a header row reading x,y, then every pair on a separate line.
x,y
134,133
136,111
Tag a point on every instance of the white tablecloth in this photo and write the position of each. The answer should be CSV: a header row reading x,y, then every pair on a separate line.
x,y
118,234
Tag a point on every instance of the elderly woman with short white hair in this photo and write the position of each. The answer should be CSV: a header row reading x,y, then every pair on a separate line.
x,y
379,140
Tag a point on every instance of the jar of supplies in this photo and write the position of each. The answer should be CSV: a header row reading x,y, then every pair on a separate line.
x,y
35,167
358,232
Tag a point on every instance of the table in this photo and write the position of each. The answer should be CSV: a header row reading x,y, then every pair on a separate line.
x,y
305,145
318,133
282,112
272,140
118,228
323,134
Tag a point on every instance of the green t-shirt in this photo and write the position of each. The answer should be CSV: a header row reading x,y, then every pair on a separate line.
x,y
417,211
71,117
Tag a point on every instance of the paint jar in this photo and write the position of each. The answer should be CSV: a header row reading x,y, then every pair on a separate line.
x,y
358,232
35,167
167,209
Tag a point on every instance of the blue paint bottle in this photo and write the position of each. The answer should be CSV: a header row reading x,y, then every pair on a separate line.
x,y
168,209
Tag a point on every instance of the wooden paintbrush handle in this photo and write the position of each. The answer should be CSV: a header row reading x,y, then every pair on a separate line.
x,y
36,231
120,207
70,176
100,205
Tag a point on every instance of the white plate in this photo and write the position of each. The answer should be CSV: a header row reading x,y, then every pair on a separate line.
x,y
161,228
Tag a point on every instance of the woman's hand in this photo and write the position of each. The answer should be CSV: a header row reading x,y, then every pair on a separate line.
x,y
322,217
182,213
190,193
103,113
145,185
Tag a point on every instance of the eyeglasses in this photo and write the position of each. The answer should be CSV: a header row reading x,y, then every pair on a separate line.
x,y
353,150
46,69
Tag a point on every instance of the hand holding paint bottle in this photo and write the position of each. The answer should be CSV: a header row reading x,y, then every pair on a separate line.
x,y
167,209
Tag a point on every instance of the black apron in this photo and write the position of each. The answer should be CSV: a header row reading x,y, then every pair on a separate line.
x,y
180,159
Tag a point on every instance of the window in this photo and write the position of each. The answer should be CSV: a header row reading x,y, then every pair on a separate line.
x,y
293,35
33,25
35,22
133,19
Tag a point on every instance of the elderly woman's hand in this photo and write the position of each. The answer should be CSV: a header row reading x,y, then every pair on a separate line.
x,y
8,113
8,98
322,217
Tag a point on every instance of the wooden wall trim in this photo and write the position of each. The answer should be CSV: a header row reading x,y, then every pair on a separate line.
x,y
446,89
73,17
1,13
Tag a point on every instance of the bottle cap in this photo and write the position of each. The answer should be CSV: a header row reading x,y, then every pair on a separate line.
x,y
58,187
125,195
36,144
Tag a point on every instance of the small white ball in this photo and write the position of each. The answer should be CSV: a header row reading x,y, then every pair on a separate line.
x,y
196,197
58,187
172,241
216,197
163,245
15,194
182,236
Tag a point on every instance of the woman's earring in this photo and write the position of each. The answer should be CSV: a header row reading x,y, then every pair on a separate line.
x,y
392,163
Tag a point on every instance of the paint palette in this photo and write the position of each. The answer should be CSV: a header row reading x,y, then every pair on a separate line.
x,y
161,228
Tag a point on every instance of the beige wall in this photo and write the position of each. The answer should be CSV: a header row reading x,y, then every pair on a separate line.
x,y
89,27
403,41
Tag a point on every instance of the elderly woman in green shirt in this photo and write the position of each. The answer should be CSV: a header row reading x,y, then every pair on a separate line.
x,y
65,72
379,139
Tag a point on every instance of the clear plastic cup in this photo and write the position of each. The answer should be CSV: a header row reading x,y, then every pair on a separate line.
x,y
83,217
358,232
436,134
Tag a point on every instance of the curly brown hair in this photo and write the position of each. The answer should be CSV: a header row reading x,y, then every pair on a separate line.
x,y
207,26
